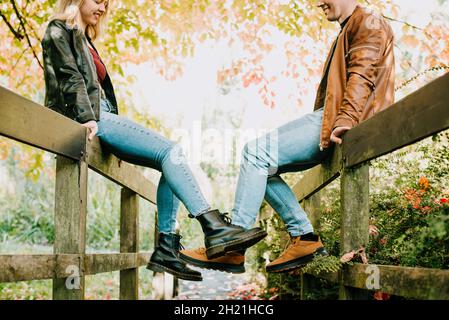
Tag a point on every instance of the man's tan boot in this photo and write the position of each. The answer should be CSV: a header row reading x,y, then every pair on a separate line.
x,y
232,262
298,253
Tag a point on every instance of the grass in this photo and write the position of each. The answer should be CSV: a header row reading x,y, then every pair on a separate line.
x,y
104,286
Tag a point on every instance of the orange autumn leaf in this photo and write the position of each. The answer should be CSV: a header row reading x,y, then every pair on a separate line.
x,y
410,40
424,183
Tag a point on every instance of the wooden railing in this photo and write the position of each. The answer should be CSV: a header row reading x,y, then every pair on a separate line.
x,y
414,118
35,125
419,115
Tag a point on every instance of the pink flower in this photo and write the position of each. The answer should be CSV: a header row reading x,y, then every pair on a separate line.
x,y
373,231
426,209
381,296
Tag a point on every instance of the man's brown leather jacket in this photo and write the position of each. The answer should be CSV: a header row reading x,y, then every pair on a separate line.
x,y
360,80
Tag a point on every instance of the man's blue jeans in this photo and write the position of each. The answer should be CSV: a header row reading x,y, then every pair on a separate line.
x,y
290,148
136,144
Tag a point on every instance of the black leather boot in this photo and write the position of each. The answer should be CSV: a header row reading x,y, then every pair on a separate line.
x,y
165,258
221,236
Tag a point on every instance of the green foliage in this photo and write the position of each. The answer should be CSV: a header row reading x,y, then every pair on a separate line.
x,y
322,264
27,214
104,286
409,206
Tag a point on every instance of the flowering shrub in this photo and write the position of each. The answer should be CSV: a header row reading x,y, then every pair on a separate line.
x,y
413,227
409,216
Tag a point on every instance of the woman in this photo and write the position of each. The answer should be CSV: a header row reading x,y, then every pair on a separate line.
x,y
79,87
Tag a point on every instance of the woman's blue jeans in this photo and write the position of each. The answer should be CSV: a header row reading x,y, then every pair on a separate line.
x,y
136,144
290,148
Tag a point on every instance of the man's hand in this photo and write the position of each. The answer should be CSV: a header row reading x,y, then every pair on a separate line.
x,y
93,128
337,133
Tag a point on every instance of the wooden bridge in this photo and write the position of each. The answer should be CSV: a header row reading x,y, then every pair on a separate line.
x,y
418,116
38,126
414,118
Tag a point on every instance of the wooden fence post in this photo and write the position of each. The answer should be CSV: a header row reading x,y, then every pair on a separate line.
x,y
70,225
129,242
354,219
312,206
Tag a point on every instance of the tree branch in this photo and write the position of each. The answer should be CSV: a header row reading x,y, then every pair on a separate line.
x,y
410,25
16,34
24,31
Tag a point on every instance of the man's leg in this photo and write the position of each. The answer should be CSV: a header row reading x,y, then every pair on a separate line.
x,y
142,146
282,199
292,147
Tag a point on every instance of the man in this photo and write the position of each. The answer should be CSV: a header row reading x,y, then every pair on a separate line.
x,y
357,82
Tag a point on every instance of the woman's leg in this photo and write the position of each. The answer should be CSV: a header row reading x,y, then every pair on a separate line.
x,y
138,145
292,147
167,207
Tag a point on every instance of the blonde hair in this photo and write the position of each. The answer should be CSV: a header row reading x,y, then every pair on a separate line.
x,y
69,11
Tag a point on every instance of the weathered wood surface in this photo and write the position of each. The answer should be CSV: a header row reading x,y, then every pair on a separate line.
x,y
354,193
417,116
28,122
54,266
99,263
35,267
129,242
417,283
70,219
354,208
121,172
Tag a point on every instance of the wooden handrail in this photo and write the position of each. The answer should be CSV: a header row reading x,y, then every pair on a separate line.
x,y
417,116
416,283
28,122
25,267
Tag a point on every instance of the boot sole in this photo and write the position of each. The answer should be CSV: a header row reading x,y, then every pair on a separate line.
x,y
235,245
160,268
213,265
297,263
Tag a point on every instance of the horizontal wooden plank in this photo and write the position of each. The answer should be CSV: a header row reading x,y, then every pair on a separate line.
x,y
417,116
35,267
99,263
121,172
319,176
26,121
417,283
48,266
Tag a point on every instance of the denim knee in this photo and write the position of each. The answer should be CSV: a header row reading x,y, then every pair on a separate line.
x,y
174,153
257,154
